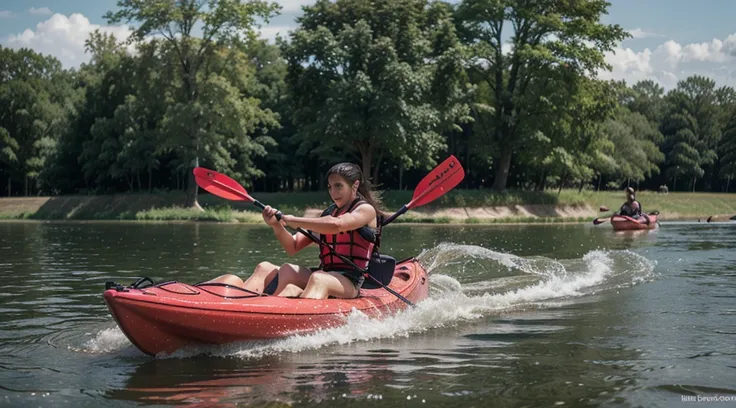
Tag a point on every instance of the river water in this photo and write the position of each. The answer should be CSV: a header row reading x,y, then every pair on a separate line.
x,y
556,315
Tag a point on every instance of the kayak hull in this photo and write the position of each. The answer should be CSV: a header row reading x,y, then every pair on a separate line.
x,y
166,317
624,223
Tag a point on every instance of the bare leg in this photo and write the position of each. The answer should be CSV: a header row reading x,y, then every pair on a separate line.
x,y
262,276
322,285
291,290
228,279
293,278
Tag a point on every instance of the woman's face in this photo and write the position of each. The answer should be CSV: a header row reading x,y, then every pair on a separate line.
x,y
340,189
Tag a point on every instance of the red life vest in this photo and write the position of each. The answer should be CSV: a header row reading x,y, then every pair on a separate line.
x,y
356,245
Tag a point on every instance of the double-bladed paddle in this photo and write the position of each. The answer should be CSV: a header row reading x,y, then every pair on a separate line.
x,y
601,220
443,178
439,181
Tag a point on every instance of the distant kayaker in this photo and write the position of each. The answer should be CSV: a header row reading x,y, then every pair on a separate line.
x,y
349,225
632,208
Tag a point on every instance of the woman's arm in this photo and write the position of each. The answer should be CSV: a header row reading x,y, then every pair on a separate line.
x,y
363,215
291,243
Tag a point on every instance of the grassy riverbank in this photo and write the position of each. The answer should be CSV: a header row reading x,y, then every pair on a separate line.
x,y
458,206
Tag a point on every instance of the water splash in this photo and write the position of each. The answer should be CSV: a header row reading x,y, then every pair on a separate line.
x,y
495,283
104,341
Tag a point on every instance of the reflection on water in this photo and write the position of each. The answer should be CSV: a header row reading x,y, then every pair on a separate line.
x,y
517,316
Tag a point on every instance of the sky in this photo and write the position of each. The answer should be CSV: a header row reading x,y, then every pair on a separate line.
x,y
672,39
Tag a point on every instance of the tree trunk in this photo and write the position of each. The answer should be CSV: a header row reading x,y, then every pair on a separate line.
x,y
138,178
25,191
192,189
674,184
149,180
542,181
401,174
582,182
562,182
374,180
694,179
10,187
728,181
501,175
365,158
600,180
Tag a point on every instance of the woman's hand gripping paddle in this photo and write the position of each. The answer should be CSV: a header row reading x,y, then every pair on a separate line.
x,y
225,187
443,178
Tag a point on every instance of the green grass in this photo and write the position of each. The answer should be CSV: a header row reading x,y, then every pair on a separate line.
x,y
167,206
23,215
672,205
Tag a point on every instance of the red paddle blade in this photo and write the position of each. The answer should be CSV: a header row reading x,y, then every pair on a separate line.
x,y
435,184
220,185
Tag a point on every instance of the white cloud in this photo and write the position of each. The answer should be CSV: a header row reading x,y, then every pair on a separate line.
x,y
63,37
642,33
671,62
6,14
290,6
39,11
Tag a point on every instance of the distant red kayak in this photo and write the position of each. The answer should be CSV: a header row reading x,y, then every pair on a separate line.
x,y
624,223
167,316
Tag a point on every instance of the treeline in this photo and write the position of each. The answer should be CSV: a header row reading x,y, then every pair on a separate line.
x,y
395,85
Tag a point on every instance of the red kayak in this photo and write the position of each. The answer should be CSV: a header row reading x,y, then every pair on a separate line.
x,y
625,223
167,316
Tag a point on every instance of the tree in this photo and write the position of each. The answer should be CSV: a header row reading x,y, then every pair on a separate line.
x,y
691,128
194,126
636,143
362,76
545,35
111,78
589,103
727,146
32,92
648,99
269,85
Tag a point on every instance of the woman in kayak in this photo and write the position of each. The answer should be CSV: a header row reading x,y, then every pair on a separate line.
x,y
631,208
350,226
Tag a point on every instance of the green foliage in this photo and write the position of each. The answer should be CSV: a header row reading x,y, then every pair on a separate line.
x,y
210,111
691,128
647,100
33,89
365,80
552,44
395,85
636,142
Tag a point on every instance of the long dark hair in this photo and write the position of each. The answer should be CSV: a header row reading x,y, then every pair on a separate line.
x,y
352,172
